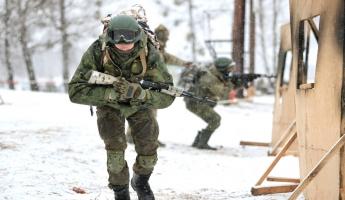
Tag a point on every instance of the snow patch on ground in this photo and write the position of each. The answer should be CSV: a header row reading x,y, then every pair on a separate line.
x,y
49,145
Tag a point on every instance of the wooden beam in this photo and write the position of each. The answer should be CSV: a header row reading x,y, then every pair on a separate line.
x,y
283,138
315,171
260,144
277,158
283,179
260,190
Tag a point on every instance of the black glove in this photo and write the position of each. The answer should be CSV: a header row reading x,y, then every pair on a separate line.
x,y
130,91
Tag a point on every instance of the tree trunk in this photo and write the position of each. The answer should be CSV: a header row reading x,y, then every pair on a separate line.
x,y
192,29
98,13
263,40
275,34
65,44
10,79
25,49
252,39
238,34
238,37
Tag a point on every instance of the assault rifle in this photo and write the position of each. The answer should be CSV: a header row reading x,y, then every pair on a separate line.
x,y
106,79
245,79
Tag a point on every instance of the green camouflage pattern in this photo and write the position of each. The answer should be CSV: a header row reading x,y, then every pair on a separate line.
x,y
162,34
80,91
211,84
112,114
111,127
170,59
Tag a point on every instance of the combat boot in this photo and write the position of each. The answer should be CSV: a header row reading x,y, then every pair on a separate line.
x,y
121,192
141,185
196,139
202,143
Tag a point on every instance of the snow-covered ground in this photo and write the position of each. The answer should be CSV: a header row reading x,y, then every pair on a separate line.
x,y
49,145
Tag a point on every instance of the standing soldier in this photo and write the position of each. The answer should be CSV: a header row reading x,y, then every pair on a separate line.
x,y
162,34
211,83
129,55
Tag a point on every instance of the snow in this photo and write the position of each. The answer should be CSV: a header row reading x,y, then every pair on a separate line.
x,y
49,145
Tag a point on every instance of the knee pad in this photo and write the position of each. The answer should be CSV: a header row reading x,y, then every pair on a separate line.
x,y
147,162
115,161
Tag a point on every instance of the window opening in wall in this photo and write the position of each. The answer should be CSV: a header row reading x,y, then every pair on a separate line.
x,y
286,68
308,49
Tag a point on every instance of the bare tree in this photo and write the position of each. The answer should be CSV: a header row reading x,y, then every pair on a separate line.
x,y
7,24
65,43
275,34
70,28
98,13
192,29
25,10
252,38
262,35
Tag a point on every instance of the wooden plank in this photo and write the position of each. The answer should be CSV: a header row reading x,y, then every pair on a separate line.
x,y
306,86
288,131
277,158
259,144
283,179
260,190
315,171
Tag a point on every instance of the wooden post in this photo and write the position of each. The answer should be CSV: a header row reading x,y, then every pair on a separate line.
x,y
249,143
277,158
259,190
291,127
251,39
238,36
315,171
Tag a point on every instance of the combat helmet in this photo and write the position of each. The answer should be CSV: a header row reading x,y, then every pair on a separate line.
x,y
162,33
123,29
224,64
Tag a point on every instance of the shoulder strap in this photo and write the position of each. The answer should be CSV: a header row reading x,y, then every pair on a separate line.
x,y
142,56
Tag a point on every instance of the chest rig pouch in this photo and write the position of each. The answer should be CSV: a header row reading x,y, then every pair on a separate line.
x,y
136,69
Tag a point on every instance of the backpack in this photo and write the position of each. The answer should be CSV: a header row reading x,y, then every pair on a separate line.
x,y
190,76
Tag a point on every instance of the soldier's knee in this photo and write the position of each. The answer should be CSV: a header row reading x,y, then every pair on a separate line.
x,y
217,120
115,161
147,162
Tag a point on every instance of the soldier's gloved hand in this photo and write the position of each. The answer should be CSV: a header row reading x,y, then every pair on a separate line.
x,y
130,91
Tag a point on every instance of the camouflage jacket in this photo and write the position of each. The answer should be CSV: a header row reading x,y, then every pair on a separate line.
x,y
80,91
211,83
170,59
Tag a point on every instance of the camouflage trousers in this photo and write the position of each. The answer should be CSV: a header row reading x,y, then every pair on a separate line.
x,y
111,127
206,113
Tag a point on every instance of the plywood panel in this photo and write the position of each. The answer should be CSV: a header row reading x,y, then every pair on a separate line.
x,y
284,103
318,110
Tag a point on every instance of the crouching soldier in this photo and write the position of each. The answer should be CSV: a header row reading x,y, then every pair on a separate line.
x,y
212,83
130,56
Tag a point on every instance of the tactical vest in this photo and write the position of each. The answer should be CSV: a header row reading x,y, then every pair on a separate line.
x,y
135,70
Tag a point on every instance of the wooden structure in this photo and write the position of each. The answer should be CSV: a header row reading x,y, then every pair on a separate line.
x,y
260,190
318,64
283,124
284,100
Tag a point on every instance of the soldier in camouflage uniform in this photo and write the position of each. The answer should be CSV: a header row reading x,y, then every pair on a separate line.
x,y
213,84
162,34
131,56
